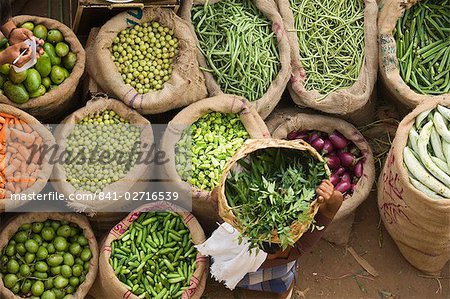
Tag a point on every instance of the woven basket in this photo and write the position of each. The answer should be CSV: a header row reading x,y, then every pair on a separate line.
x,y
250,146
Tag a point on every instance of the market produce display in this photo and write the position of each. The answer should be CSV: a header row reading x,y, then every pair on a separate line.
x,y
427,155
144,55
275,187
21,158
45,260
155,257
103,134
343,157
423,47
205,147
51,69
331,41
240,47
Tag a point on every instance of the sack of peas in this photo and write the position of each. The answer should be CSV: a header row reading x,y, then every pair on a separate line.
x,y
151,254
47,255
200,140
414,50
116,142
348,156
414,187
46,90
150,65
333,53
22,138
243,49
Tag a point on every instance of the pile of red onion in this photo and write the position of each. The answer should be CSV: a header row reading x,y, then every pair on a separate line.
x,y
343,157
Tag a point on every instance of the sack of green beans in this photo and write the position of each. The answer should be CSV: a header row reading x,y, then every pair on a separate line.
x,y
333,53
347,153
414,50
53,103
199,141
103,128
243,49
148,61
47,255
20,175
151,254
414,187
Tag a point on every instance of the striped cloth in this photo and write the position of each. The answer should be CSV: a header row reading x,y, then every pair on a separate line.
x,y
277,279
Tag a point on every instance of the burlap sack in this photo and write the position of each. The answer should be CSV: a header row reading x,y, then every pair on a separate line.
x,y
186,84
418,224
270,99
344,101
107,285
55,102
14,224
288,121
136,178
201,199
250,146
46,167
390,12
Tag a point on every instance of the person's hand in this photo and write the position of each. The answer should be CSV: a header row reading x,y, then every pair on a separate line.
x,y
12,52
329,199
19,35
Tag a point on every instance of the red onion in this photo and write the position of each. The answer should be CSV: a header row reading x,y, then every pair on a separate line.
x,y
334,179
313,137
347,159
343,186
327,146
338,140
340,170
346,177
293,135
358,171
318,144
333,161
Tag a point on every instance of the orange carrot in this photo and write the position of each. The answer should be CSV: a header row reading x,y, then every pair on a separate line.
x,y
23,137
26,127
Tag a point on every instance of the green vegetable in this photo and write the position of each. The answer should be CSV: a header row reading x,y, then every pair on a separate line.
x,y
331,41
96,135
29,270
144,55
274,189
239,45
423,47
149,261
205,147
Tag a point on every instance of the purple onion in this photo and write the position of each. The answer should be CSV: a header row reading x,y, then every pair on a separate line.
x,y
318,144
347,159
334,179
346,177
358,169
313,137
293,135
333,161
338,140
328,146
343,186
340,170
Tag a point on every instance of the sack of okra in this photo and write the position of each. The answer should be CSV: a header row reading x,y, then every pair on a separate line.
x,y
333,57
414,50
22,135
414,187
154,239
200,139
242,49
268,190
107,145
347,153
148,61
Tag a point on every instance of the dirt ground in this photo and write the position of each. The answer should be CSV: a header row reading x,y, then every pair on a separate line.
x,y
330,271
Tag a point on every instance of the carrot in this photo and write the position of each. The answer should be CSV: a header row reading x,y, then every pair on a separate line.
x,y
9,170
2,193
23,137
6,115
26,127
31,168
24,152
2,120
16,163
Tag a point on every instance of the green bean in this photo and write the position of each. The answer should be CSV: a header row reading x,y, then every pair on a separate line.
x,y
424,29
154,266
237,46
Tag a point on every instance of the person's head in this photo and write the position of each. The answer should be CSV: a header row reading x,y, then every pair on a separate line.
x,y
5,11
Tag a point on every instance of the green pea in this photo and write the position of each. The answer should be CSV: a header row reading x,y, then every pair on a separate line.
x,y
48,295
32,246
10,280
66,271
37,289
60,282
60,243
48,233
41,267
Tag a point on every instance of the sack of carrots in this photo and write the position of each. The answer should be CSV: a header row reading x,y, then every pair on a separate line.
x,y
333,53
201,139
24,166
414,187
149,62
268,190
242,49
347,153
414,50
108,146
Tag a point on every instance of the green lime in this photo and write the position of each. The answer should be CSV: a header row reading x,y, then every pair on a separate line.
x,y
62,49
28,25
55,36
40,31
